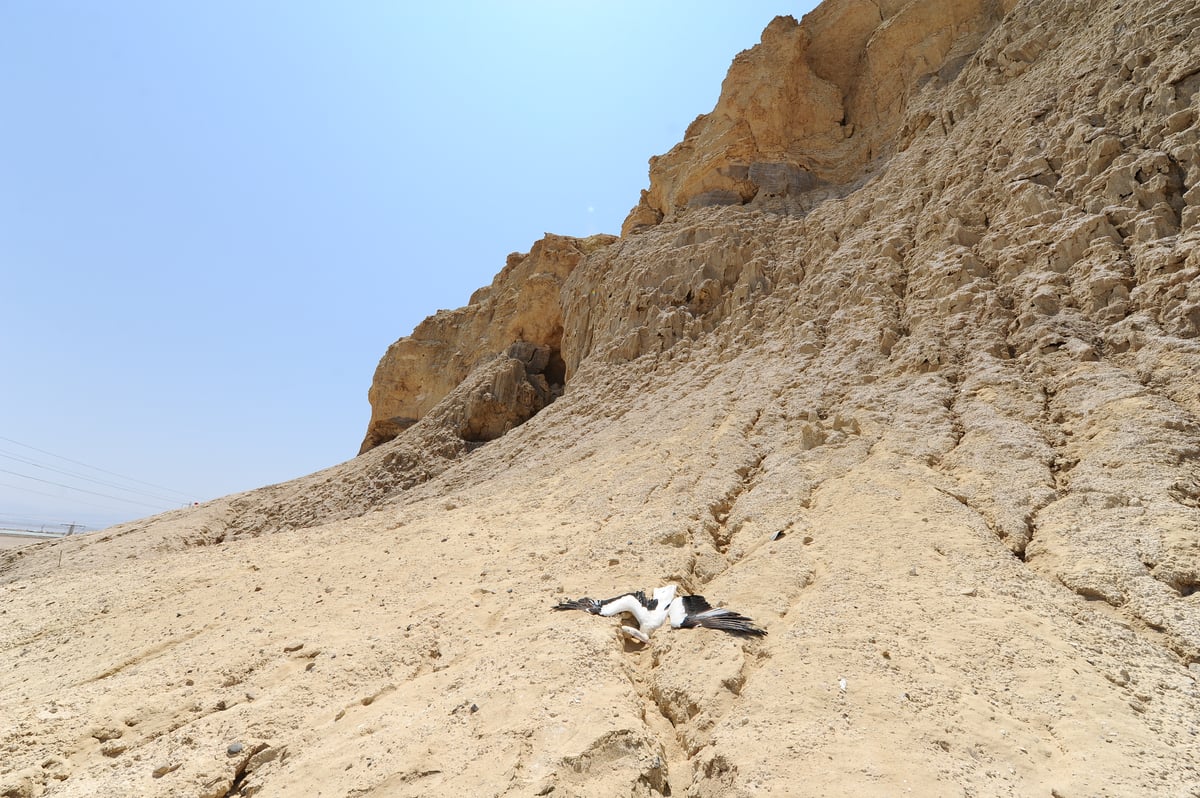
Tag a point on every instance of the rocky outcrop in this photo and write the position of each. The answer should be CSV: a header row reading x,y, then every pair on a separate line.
x,y
522,305
500,393
809,110
1034,243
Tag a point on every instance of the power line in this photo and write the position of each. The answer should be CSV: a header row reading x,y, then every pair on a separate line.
x,y
84,477
82,490
101,470
58,496
32,525
31,490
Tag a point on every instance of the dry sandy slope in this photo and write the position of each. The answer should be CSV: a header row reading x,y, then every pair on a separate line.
x,y
963,389
421,673
17,541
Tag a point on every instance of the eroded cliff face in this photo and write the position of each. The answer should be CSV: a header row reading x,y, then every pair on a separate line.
x,y
805,114
802,118
1031,249
521,306
936,429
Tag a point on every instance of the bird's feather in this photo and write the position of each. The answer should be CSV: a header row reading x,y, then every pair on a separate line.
x,y
725,620
586,604
684,612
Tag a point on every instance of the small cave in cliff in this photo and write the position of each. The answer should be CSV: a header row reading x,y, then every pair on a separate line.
x,y
502,391
556,371
512,390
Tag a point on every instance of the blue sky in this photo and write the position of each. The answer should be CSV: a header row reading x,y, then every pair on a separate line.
x,y
215,216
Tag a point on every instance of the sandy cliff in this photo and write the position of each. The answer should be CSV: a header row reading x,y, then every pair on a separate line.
x,y
523,305
922,400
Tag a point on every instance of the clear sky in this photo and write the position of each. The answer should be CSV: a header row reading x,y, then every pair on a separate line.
x,y
215,216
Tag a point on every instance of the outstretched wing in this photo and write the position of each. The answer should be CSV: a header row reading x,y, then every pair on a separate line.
x,y
698,612
594,606
586,604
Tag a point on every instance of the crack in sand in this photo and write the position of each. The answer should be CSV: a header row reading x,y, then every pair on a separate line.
x,y
679,720
144,655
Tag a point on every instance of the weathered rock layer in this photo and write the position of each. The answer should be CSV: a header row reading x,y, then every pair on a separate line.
x,y
815,104
932,420
521,306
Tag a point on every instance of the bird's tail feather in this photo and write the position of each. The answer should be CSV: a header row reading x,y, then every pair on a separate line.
x,y
725,620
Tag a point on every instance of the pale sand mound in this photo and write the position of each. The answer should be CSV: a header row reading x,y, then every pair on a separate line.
x,y
964,390
17,541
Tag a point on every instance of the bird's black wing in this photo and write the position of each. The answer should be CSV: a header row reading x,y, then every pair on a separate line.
x,y
640,595
586,604
700,613
594,605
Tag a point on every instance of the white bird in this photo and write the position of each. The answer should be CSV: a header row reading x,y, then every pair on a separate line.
x,y
684,612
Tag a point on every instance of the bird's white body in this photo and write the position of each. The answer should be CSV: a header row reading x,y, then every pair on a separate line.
x,y
683,612
666,607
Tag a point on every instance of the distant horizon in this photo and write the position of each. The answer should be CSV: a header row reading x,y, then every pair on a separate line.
x,y
43,534
222,215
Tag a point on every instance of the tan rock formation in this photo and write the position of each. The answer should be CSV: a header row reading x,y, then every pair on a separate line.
x,y
521,305
808,110
938,432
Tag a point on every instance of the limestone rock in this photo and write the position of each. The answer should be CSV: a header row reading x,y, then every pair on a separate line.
x,y
814,104
521,305
503,393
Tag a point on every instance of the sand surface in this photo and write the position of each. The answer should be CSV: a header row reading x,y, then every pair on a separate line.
x,y
16,541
